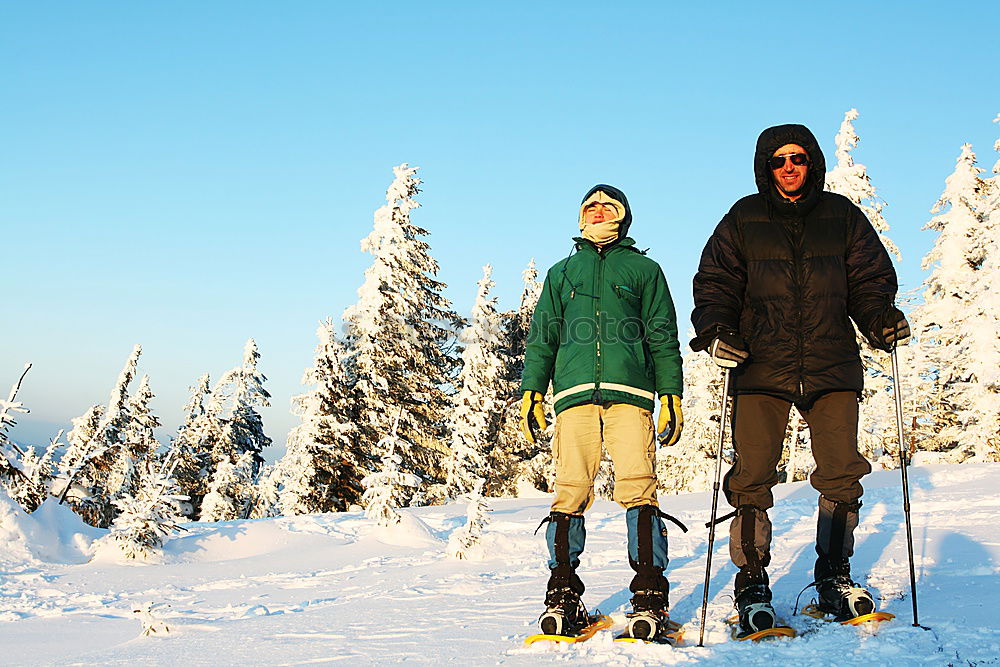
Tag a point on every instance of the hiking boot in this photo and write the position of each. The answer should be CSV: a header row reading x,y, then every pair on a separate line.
x,y
755,611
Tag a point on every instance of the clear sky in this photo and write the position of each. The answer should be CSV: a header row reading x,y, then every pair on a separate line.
x,y
186,175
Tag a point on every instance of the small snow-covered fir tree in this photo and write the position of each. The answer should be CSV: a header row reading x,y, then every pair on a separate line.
x,y
851,180
385,488
236,453
23,474
36,475
465,542
146,518
95,451
242,429
11,475
512,460
877,414
689,465
957,324
138,444
193,446
474,419
796,457
324,462
399,332
139,438
264,499
79,439
230,495
996,165
9,407
604,483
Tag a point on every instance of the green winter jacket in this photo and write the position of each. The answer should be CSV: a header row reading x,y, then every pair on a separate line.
x,y
604,329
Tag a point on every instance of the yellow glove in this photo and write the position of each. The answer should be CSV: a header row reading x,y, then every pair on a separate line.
x,y
532,414
671,421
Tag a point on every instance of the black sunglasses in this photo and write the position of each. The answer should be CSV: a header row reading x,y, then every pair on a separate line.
x,y
778,161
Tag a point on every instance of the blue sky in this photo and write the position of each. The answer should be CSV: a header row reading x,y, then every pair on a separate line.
x,y
186,175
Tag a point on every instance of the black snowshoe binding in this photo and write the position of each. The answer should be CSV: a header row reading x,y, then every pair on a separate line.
x,y
753,605
649,620
843,598
564,611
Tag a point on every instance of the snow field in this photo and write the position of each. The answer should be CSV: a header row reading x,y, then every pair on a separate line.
x,y
334,588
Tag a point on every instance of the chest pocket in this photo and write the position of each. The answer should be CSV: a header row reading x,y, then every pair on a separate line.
x,y
629,299
577,281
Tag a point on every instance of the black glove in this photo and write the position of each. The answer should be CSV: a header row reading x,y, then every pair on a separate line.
x,y
890,329
728,349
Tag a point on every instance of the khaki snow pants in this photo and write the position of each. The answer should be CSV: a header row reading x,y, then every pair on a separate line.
x,y
628,434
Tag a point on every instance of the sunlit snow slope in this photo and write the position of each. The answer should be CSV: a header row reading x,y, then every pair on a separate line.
x,y
327,588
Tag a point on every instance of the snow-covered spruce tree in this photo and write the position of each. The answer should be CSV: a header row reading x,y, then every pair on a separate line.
x,y
139,438
398,334
851,180
385,489
241,436
957,323
9,407
231,493
264,499
876,428
324,462
982,344
25,477
95,451
79,439
474,418
796,457
463,541
513,460
146,518
193,446
604,483
690,464
139,444
38,473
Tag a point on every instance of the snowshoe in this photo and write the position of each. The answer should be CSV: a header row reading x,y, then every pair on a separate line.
x,y
756,618
595,623
843,599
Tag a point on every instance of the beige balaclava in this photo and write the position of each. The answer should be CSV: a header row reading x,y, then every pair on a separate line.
x,y
602,233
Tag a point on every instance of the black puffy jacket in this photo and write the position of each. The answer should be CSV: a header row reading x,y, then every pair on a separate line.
x,y
787,276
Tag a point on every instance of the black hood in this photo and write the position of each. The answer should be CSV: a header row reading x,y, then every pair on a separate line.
x,y
617,195
774,138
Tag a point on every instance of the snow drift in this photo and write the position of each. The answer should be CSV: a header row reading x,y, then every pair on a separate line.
x,y
330,588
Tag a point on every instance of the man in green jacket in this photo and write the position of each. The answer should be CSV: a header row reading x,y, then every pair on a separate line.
x,y
604,333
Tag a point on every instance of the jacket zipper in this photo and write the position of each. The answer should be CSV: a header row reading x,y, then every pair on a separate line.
x,y
798,239
597,398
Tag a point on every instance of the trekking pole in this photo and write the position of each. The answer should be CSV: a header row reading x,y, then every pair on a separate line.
x,y
898,391
715,500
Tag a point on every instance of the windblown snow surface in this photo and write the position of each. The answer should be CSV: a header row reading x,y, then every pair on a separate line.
x,y
331,588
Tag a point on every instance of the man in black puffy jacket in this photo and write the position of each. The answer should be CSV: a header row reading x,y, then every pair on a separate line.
x,y
779,282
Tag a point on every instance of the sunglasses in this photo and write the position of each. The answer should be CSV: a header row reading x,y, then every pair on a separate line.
x,y
778,161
